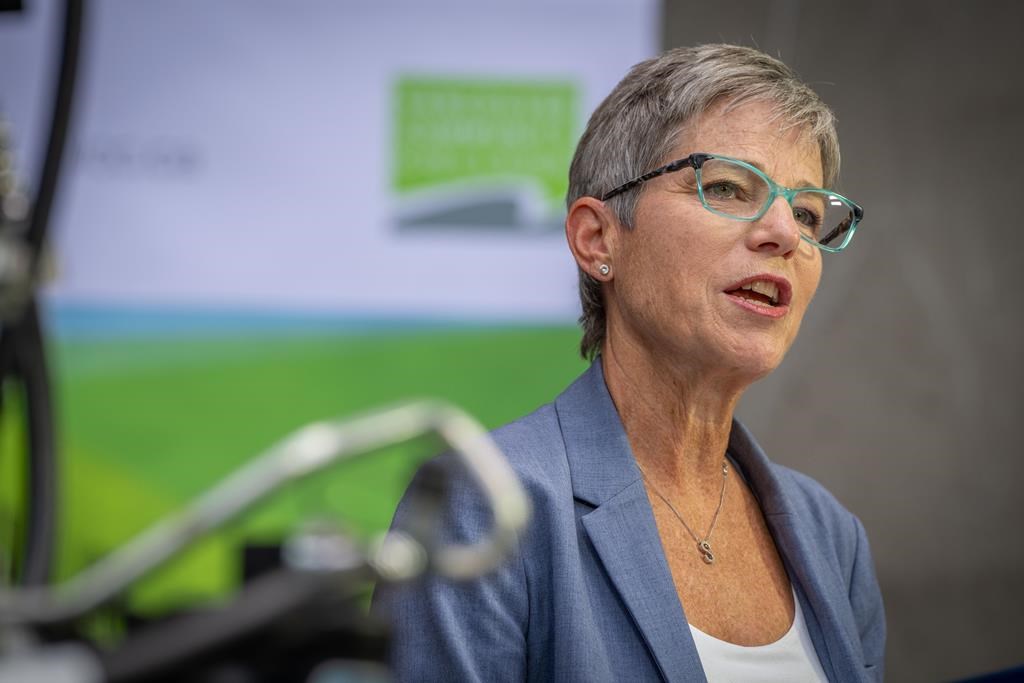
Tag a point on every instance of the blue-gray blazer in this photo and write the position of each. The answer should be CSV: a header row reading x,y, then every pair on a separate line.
x,y
589,596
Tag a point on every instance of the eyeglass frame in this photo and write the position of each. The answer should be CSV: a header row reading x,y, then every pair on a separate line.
x,y
698,159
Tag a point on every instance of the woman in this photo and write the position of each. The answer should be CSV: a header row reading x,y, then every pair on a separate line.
x,y
664,544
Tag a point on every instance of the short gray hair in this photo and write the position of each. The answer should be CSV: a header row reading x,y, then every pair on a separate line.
x,y
632,130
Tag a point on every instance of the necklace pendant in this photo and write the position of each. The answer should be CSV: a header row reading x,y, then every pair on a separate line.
x,y
705,549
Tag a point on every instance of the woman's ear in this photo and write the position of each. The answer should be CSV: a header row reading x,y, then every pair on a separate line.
x,y
591,229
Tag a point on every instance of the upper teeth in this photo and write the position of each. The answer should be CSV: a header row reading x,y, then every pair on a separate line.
x,y
768,289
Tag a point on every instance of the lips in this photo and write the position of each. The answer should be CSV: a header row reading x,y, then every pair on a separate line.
x,y
766,294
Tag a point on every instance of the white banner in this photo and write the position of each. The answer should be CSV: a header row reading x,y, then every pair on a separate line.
x,y
374,159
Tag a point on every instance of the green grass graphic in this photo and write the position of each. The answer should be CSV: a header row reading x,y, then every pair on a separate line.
x,y
145,425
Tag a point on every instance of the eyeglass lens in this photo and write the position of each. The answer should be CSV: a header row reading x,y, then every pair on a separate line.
x,y
736,191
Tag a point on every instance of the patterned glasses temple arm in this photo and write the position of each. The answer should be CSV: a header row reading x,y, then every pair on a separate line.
x,y
695,160
838,230
844,226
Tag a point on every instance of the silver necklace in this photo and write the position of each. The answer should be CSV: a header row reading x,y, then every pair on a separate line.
x,y
703,544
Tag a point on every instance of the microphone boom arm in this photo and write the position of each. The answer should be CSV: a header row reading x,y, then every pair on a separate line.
x,y
305,452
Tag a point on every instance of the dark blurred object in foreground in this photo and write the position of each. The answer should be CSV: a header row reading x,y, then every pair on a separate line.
x,y
1005,676
299,617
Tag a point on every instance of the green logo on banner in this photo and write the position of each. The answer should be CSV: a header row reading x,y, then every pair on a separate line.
x,y
482,153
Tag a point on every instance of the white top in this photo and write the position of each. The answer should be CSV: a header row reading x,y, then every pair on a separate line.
x,y
790,659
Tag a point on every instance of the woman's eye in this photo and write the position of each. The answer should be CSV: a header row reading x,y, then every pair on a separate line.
x,y
721,190
807,219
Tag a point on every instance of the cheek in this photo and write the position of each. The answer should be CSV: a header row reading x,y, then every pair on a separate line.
x,y
684,271
809,276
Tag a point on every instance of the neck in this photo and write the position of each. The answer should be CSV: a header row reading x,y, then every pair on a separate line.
x,y
677,419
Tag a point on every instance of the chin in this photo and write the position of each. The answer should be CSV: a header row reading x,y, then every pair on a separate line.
x,y
755,366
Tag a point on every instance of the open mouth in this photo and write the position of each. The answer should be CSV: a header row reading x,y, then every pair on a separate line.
x,y
762,291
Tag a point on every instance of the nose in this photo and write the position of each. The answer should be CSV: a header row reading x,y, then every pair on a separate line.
x,y
776,232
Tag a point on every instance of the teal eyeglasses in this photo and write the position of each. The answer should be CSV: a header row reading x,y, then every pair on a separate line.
x,y
735,189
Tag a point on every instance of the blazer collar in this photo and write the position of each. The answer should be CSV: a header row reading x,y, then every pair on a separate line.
x,y
622,529
601,461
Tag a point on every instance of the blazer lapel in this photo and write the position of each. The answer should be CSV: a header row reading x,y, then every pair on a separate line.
x,y
817,583
622,527
626,539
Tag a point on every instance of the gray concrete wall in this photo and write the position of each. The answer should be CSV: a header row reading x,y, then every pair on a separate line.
x,y
903,392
